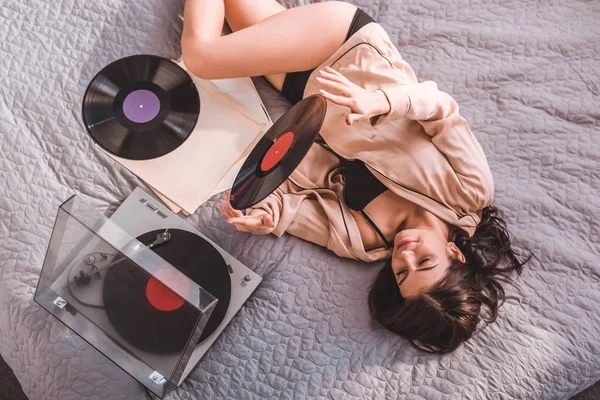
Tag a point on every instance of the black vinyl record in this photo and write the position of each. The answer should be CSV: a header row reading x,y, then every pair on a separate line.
x,y
133,312
141,107
278,152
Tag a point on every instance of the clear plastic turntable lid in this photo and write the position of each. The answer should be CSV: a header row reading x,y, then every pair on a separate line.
x,y
120,296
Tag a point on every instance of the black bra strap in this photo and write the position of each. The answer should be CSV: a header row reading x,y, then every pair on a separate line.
x,y
381,235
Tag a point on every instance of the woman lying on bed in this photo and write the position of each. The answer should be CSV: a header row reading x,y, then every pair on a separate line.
x,y
397,175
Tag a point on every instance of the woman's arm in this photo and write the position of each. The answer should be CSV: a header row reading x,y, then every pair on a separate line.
x,y
296,214
435,110
438,113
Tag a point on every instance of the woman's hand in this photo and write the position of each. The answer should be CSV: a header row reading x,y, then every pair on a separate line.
x,y
258,222
362,103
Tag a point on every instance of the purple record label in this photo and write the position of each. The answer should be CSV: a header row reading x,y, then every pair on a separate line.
x,y
141,106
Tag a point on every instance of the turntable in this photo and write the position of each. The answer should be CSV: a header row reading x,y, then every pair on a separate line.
x,y
143,287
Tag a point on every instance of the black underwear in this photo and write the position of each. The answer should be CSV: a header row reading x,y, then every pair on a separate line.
x,y
360,188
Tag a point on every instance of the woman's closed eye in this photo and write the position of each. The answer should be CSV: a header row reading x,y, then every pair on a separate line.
x,y
404,273
422,262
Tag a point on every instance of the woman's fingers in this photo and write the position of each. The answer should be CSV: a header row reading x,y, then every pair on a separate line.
x,y
334,86
247,224
229,211
233,211
267,221
244,221
352,118
224,210
250,221
332,77
340,100
336,76
257,224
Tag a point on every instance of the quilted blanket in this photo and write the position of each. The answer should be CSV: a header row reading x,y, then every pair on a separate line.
x,y
525,73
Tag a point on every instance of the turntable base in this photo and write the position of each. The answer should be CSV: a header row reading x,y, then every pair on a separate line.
x,y
141,213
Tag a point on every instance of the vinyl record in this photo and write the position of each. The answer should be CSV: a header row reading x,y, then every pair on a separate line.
x,y
278,152
141,107
151,317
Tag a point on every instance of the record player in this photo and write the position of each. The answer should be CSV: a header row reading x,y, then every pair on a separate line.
x,y
143,287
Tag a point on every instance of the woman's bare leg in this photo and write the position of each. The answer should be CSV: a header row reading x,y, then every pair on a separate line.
x,y
241,14
292,40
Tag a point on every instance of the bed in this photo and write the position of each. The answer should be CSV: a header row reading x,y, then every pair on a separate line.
x,y
525,75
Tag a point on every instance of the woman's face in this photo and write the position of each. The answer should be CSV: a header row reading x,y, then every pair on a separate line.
x,y
420,258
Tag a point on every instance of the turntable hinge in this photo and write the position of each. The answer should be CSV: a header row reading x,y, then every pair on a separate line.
x,y
60,302
157,378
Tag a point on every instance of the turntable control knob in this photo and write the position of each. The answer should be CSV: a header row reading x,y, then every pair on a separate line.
x,y
246,279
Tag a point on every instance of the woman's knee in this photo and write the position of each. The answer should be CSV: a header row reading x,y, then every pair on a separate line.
x,y
200,57
241,14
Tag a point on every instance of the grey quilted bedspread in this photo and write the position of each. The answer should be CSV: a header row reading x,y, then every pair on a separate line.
x,y
526,76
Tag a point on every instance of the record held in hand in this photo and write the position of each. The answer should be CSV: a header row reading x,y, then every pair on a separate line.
x,y
150,316
279,152
141,107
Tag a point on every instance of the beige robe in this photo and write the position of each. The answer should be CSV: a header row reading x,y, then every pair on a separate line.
x,y
423,152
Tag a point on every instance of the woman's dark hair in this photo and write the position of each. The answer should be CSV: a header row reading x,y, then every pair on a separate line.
x,y
444,317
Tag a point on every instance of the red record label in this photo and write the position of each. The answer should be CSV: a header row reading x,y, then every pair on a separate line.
x,y
161,297
277,151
